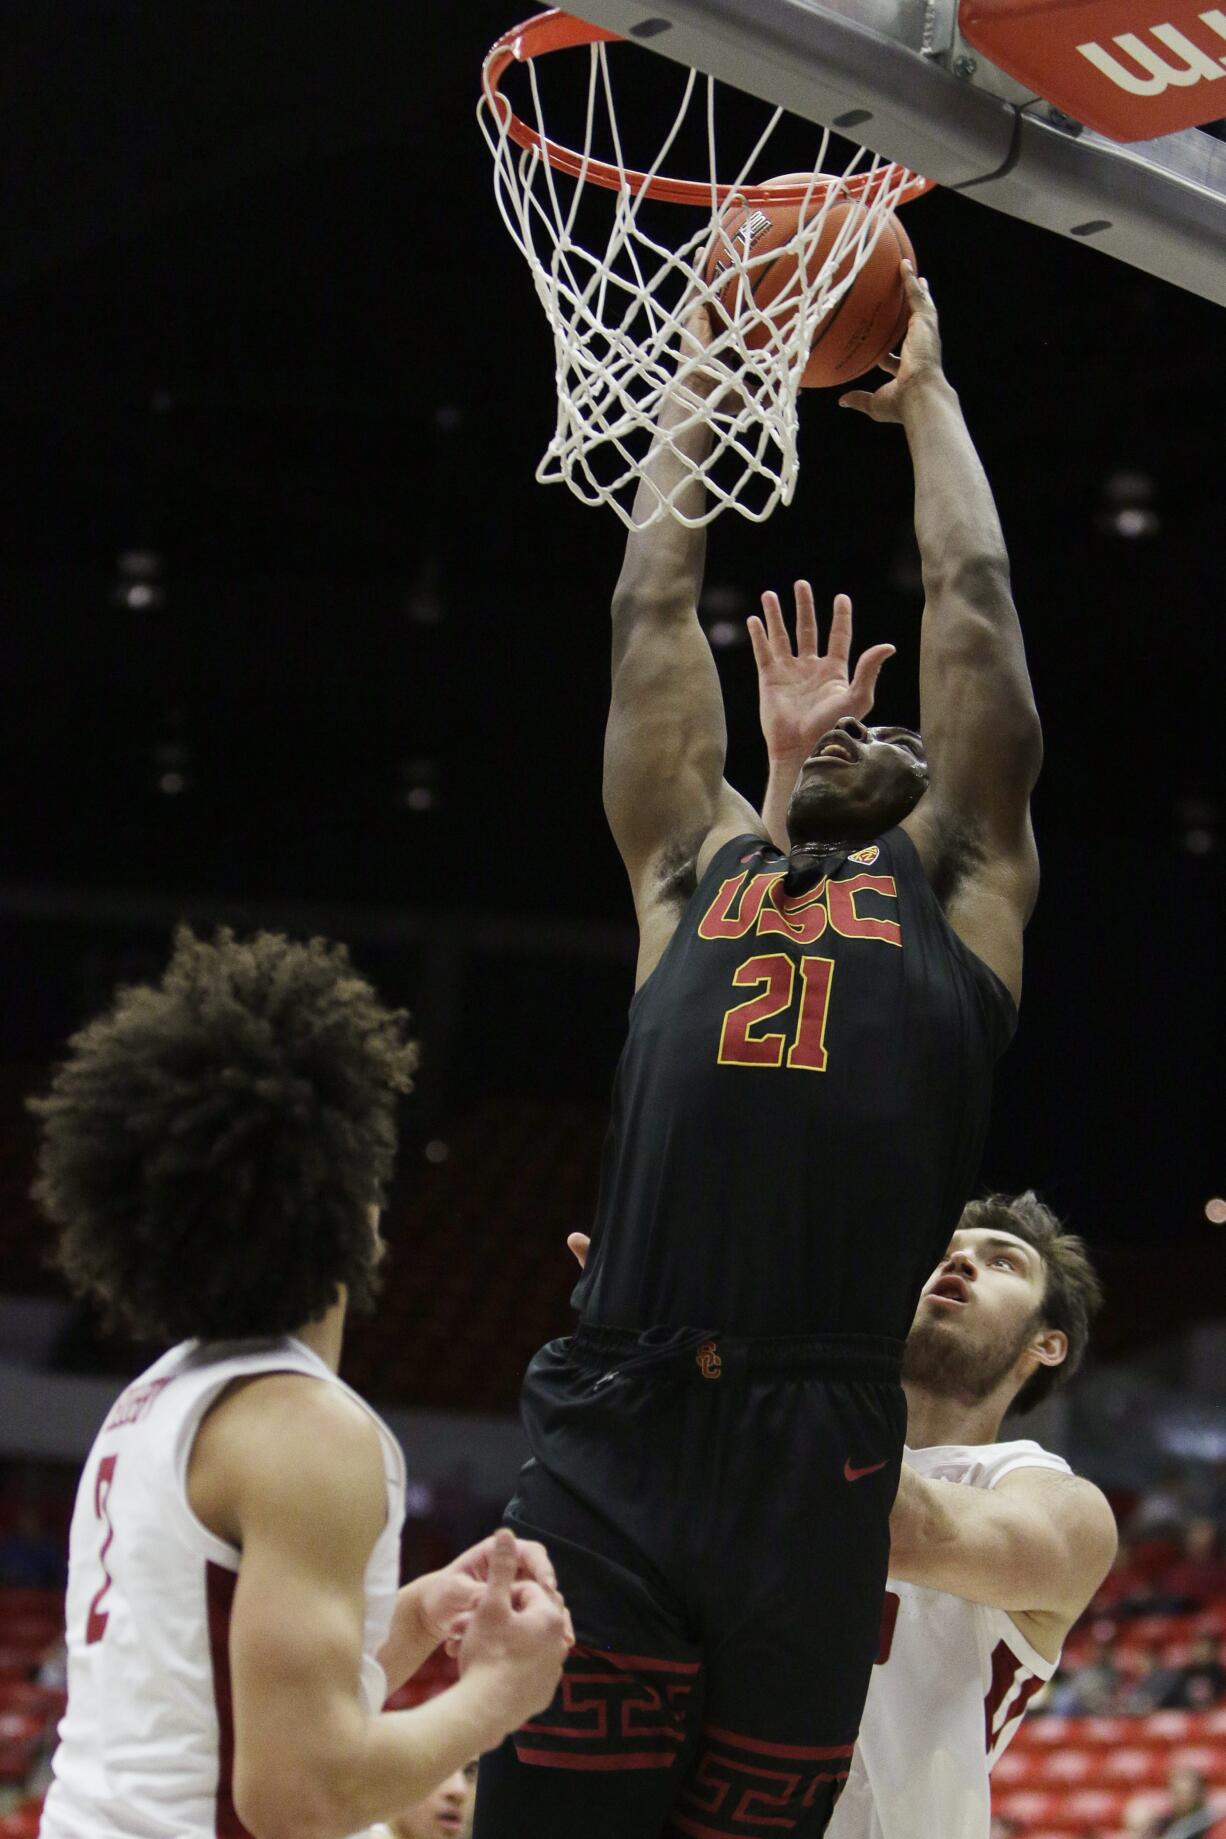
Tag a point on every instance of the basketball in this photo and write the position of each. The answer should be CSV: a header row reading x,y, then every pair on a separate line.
x,y
868,321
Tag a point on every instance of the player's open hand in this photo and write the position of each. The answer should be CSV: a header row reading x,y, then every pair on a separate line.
x,y
919,359
804,692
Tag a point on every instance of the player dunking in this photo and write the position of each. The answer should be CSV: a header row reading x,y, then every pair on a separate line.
x,y
797,1120
216,1150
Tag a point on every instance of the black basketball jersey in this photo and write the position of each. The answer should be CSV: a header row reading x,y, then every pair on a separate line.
x,y
800,1108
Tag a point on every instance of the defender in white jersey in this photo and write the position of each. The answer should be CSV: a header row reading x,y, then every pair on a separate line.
x,y
996,1548
216,1150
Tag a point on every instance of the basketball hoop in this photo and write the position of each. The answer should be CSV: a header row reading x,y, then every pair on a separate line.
x,y
616,311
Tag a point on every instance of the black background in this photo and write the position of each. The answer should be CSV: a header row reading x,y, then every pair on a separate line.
x,y
258,315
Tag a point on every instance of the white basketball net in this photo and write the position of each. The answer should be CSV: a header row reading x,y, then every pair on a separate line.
x,y
616,313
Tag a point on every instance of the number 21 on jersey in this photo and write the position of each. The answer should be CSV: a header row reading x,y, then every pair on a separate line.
x,y
743,1039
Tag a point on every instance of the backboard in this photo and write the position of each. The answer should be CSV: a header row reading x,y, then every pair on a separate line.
x,y
903,78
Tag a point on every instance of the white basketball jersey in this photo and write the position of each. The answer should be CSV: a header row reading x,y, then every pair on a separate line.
x,y
949,1690
147,1742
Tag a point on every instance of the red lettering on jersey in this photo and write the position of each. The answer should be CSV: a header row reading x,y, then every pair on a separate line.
x,y
803,920
219,1586
889,1622
719,922
737,1047
1006,1671
98,1617
134,1404
841,900
808,1050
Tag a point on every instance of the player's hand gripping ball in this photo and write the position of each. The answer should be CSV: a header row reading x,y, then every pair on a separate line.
x,y
865,324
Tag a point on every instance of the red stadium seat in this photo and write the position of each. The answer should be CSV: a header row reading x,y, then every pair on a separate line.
x,y
1019,1768
21,1738
1028,1806
26,1695
1137,1768
1068,1765
22,1822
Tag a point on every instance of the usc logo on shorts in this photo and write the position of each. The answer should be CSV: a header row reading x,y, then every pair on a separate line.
x,y
708,1361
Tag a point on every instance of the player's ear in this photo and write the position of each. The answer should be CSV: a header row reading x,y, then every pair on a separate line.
x,y
1050,1347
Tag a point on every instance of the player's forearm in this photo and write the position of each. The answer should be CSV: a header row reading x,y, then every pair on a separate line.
x,y
775,803
947,1537
957,525
408,1753
365,1769
410,1644
663,564
988,1546
973,670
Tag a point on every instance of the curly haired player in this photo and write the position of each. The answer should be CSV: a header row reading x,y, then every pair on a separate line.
x,y
216,1149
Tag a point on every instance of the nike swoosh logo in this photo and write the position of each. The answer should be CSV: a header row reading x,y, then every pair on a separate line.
x,y
850,1474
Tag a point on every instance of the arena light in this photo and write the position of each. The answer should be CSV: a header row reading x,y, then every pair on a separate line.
x,y
1127,508
1215,1210
171,766
1198,822
138,581
419,787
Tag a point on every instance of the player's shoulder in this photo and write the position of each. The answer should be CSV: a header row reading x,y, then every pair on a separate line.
x,y
296,1417
286,1443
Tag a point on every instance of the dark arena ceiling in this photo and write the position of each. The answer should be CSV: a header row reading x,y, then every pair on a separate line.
x,y
287,619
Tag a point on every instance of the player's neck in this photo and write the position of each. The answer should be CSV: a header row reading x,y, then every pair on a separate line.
x,y
325,1336
933,1418
817,847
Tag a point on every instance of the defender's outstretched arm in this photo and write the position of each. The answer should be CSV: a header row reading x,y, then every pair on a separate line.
x,y
1039,1544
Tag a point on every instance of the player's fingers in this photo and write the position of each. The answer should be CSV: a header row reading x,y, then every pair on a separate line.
x,y
917,289
858,399
838,645
547,1616
504,1561
535,1563
579,1243
529,1599
761,657
806,621
459,1628
889,360
864,683
776,631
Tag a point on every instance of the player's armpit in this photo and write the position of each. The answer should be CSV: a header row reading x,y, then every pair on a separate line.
x,y
1039,1543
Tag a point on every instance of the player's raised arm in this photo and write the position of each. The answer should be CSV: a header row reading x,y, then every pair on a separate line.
x,y
664,789
1038,1544
298,1482
977,711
